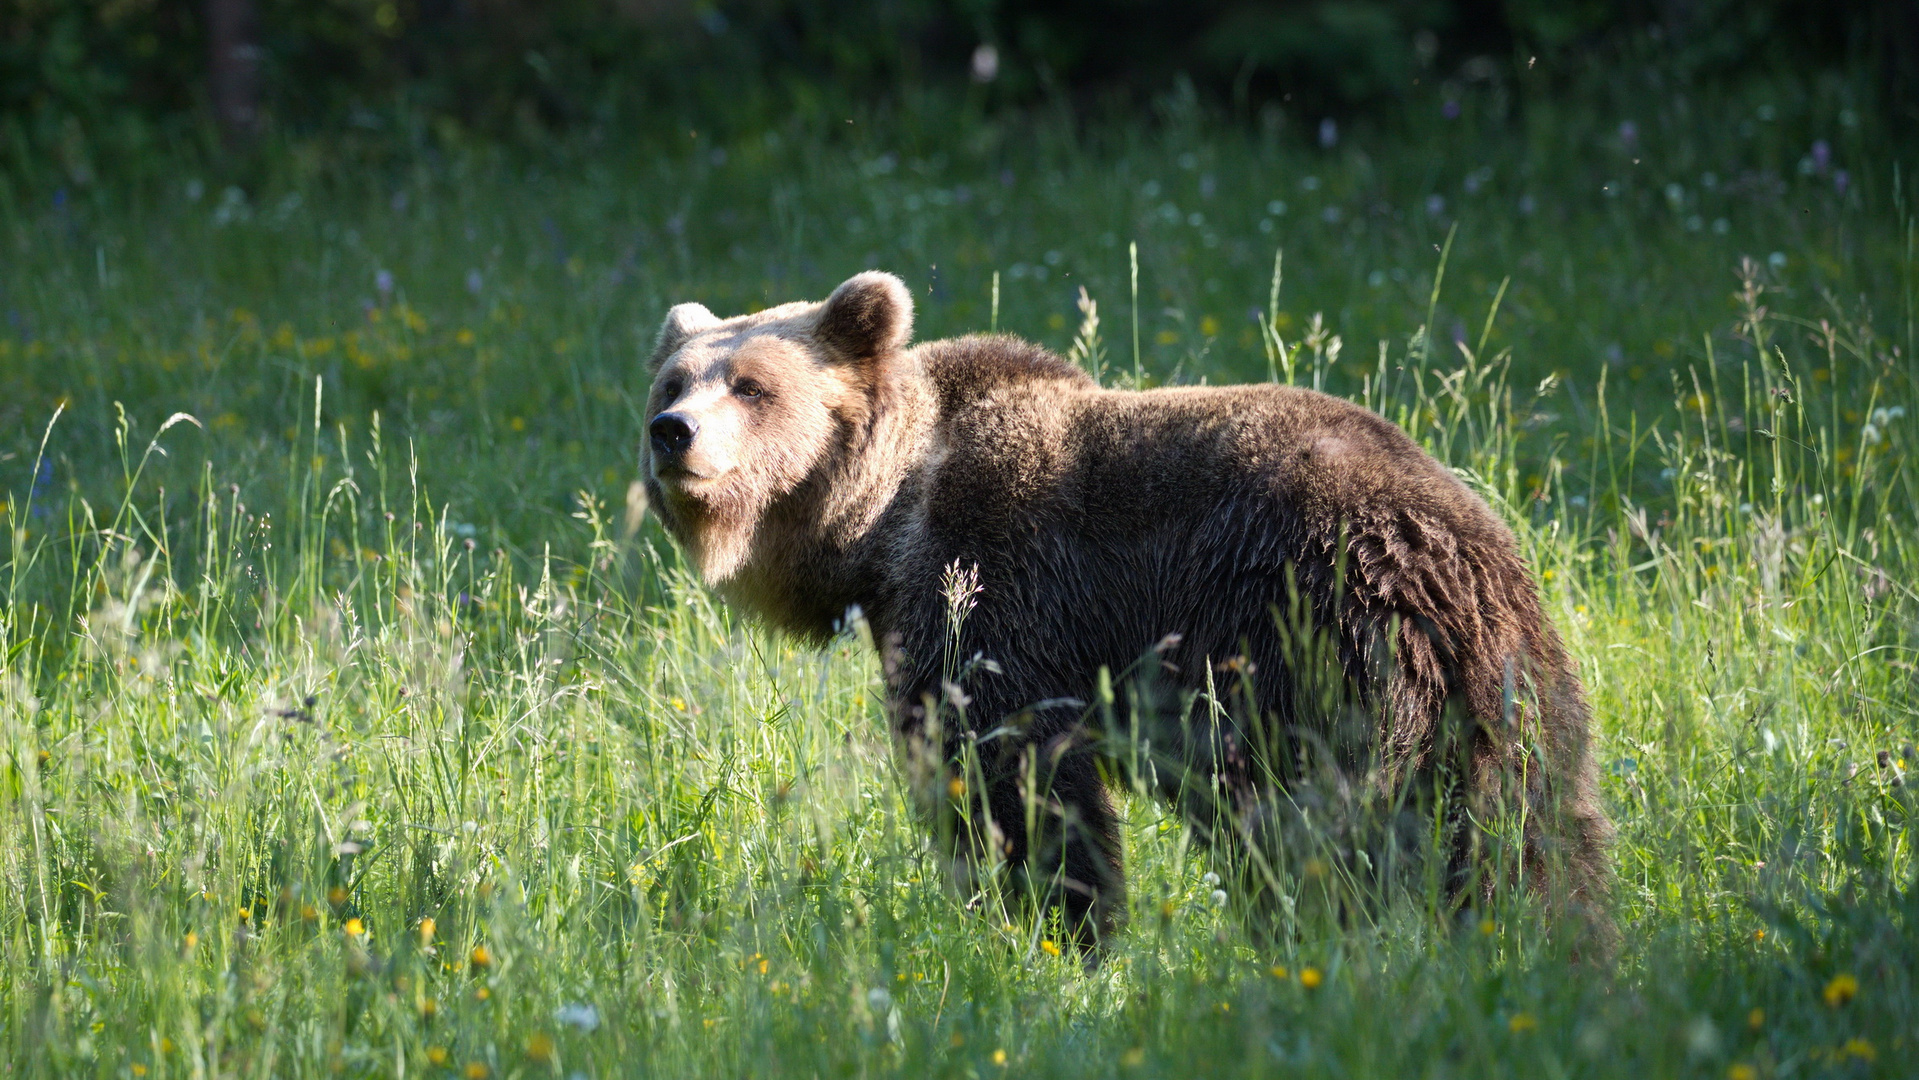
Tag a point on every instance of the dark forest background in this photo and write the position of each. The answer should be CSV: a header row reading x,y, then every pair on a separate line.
x,y
92,85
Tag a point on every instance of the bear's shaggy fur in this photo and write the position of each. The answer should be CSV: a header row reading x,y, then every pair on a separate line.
x,y
1262,601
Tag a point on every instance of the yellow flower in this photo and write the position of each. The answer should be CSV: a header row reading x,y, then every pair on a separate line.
x,y
955,787
1842,989
245,913
1279,971
1756,1019
517,423
427,926
999,1057
1133,1058
1046,946
476,1070
139,1069
436,1055
480,958
1209,326
482,994
1310,978
464,337
354,928
1522,1022
1741,1071
958,1040
763,964
1486,927
1859,1048
192,939
166,1046
539,1047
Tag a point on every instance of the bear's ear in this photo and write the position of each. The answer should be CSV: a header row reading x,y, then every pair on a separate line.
x,y
681,323
869,316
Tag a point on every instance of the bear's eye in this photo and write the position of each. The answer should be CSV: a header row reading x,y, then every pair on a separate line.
x,y
670,390
748,389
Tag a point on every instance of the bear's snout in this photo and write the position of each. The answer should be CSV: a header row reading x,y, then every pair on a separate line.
x,y
672,434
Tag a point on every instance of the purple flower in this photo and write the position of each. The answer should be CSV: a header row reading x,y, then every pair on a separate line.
x,y
1328,133
474,281
1628,134
1435,205
1821,155
1841,180
383,281
1450,110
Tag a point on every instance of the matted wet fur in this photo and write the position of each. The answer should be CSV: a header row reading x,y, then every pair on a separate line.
x,y
1264,603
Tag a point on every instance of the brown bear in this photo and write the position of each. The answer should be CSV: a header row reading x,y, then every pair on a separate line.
x,y
1264,603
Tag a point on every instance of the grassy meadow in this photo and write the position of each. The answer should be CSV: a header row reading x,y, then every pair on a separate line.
x,y
356,721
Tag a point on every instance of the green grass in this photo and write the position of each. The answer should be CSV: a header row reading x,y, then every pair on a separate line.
x,y
375,638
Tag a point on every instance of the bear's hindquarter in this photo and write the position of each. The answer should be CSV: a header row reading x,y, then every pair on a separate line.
x,y
1103,521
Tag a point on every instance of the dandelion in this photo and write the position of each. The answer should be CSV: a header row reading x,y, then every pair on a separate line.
x,y
354,928
1310,978
480,958
1741,1071
427,927
1522,1022
429,1008
245,913
1756,1019
999,1057
436,1055
1486,927
191,940
476,1070
1278,971
955,788
1841,990
1858,1048
1219,897
139,1069
1048,947
540,1048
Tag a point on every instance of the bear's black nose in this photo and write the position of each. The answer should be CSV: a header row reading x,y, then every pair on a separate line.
x,y
672,434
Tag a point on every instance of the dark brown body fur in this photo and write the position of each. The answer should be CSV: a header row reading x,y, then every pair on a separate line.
x,y
1282,586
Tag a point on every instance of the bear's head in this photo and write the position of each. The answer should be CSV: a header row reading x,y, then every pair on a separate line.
x,y
745,411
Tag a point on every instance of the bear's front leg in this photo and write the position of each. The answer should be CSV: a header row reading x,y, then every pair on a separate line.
x,y
1062,833
1025,794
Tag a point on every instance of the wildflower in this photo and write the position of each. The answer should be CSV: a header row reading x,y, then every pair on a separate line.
x,y
1741,1071
1133,1058
999,1057
354,928
1047,946
476,1070
480,958
1858,1048
1842,989
426,932
1278,971
1219,897
482,994
139,1069
540,1048
1756,1019
383,281
429,1008
1521,1022
436,1055
1486,927
245,913
474,282
191,940
955,788
1450,110
1310,978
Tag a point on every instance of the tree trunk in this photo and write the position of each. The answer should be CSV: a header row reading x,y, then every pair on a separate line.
x,y
234,69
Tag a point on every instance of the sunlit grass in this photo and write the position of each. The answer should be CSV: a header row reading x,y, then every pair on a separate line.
x,y
360,724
